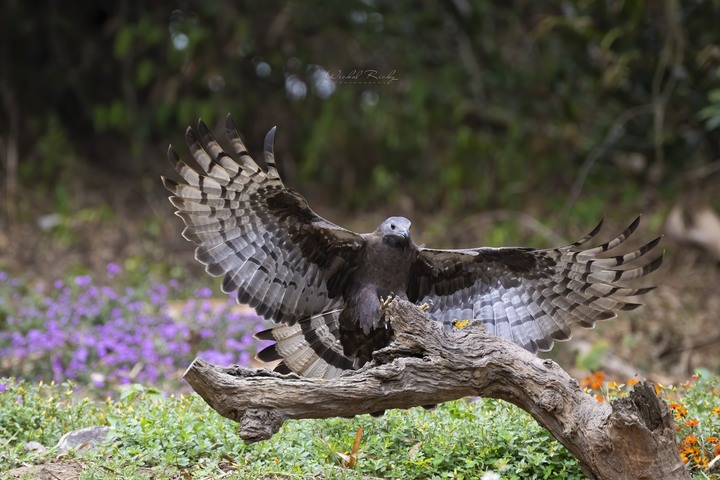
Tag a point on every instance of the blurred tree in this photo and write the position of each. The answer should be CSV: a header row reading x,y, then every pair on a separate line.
x,y
476,104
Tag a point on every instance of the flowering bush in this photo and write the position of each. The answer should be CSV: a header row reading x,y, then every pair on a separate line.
x,y
110,333
695,406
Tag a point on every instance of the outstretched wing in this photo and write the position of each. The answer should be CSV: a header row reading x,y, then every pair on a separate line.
x,y
528,296
284,260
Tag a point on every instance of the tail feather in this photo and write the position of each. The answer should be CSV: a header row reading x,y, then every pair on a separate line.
x,y
310,347
282,368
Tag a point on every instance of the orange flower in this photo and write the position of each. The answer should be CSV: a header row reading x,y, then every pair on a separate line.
x,y
691,452
692,423
713,439
632,382
600,398
715,411
680,410
717,449
594,381
688,453
598,379
690,440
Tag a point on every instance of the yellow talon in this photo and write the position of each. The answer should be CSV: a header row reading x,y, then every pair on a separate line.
x,y
424,307
385,302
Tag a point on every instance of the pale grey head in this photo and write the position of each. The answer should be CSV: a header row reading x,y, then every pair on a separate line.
x,y
395,231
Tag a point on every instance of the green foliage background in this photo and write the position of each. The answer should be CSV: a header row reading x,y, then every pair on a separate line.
x,y
489,104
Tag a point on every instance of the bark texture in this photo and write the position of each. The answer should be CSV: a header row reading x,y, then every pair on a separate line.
x,y
632,438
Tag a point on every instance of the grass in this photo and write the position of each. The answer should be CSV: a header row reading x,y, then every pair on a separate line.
x,y
85,347
157,436
179,436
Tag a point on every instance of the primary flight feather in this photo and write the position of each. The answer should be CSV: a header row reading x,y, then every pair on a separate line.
x,y
323,284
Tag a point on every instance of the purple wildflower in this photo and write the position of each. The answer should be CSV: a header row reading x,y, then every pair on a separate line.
x,y
158,294
203,292
113,269
83,280
100,336
57,367
220,358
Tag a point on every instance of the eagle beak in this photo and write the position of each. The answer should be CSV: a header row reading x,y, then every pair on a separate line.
x,y
405,236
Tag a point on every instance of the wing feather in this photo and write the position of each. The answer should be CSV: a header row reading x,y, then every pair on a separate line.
x,y
283,259
533,297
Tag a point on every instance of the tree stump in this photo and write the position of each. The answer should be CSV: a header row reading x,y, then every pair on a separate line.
x,y
631,438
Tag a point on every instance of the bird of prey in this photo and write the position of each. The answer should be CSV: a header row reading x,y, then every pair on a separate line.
x,y
323,285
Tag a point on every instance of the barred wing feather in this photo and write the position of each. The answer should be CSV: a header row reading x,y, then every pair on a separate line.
x,y
283,259
532,297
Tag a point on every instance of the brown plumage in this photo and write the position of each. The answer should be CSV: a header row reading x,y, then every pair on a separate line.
x,y
322,283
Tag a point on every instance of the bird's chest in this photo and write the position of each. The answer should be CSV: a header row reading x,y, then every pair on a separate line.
x,y
386,268
383,270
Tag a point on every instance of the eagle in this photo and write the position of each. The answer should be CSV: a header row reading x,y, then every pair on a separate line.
x,y
324,285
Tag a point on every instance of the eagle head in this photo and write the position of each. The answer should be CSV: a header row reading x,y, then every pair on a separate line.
x,y
395,231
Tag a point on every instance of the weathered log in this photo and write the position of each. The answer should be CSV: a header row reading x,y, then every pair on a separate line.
x,y
631,438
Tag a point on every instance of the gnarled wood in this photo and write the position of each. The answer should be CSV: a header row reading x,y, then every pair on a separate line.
x,y
633,438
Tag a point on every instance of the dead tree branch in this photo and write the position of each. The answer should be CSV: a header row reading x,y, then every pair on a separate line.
x,y
633,438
